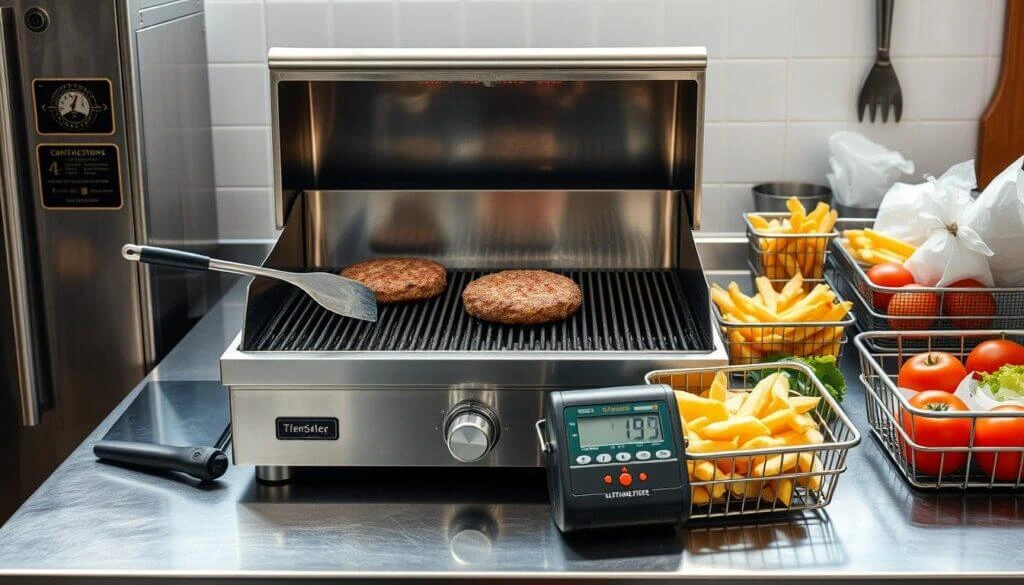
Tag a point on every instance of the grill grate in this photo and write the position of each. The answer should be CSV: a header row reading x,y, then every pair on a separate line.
x,y
623,310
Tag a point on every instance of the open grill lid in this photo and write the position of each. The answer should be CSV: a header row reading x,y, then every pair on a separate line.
x,y
487,119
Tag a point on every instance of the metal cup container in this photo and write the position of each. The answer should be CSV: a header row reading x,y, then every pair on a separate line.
x,y
895,423
809,473
771,197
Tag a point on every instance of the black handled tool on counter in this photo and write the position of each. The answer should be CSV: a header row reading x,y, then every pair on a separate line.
x,y
205,463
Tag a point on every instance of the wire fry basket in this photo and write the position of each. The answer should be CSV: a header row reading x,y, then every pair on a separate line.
x,y
747,482
779,257
894,421
751,343
923,309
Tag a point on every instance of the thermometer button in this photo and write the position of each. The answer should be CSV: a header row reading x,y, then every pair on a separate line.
x,y
623,457
604,458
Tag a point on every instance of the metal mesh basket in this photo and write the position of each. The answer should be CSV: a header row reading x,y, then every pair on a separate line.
x,y
894,421
751,343
730,494
781,256
924,309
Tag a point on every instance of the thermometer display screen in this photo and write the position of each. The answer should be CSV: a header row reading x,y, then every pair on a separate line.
x,y
626,429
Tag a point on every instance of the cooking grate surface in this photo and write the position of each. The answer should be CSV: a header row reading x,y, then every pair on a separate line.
x,y
623,310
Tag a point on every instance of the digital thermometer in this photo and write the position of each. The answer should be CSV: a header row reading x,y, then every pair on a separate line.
x,y
614,457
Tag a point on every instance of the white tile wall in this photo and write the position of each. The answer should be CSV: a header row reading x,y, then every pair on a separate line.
x,y
783,75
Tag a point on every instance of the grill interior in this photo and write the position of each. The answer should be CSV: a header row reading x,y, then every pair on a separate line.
x,y
623,310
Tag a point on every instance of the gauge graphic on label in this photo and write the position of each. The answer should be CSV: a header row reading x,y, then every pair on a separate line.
x,y
74,106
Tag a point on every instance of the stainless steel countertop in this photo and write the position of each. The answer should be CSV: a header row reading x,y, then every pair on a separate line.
x,y
94,520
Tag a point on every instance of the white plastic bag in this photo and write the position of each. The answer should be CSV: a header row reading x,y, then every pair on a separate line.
x,y
862,170
998,216
900,214
953,251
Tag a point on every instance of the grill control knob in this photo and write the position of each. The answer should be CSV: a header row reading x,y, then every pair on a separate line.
x,y
469,434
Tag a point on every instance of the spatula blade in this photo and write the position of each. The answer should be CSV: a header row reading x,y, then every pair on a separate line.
x,y
340,295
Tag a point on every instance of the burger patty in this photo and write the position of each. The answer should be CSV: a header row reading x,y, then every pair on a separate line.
x,y
397,280
522,297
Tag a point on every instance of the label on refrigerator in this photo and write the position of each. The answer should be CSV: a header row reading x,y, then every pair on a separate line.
x,y
79,176
73,106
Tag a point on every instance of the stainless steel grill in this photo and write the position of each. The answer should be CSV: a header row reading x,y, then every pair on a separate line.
x,y
584,162
631,310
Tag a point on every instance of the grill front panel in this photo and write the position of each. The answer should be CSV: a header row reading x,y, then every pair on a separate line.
x,y
623,310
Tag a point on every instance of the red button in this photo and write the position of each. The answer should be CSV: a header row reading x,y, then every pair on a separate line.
x,y
643,476
625,479
608,479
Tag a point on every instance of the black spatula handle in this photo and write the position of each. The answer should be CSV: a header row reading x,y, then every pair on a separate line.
x,y
166,257
205,463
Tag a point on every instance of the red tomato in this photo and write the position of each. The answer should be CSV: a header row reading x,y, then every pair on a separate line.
x,y
969,304
888,274
988,356
928,431
936,370
1001,432
907,304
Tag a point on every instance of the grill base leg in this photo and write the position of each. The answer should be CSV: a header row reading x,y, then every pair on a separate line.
x,y
273,473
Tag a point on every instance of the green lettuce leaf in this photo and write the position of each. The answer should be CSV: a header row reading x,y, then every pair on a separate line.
x,y
1006,383
826,369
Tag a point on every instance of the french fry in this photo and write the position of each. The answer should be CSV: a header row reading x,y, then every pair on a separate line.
x,y
871,247
704,470
708,446
784,491
769,297
692,407
779,419
884,242
802,404
773,465
719,387
740,428
745,304
764,442
699,495
761,391
696,424
791,291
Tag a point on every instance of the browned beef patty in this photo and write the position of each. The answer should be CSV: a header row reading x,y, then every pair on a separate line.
x,y
522,297
397,280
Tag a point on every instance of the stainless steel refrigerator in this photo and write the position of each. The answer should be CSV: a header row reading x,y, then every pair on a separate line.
x,y
104,139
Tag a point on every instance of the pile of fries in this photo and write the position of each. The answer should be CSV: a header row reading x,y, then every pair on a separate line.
x,y
720,419
802,251
873,247
770,323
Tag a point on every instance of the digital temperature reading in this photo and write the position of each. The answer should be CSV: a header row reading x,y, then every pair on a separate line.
x,y
627,429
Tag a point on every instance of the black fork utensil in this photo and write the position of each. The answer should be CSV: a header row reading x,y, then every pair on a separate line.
x,y
882,88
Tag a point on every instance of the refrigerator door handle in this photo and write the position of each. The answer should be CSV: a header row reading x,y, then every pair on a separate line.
x,y
11,196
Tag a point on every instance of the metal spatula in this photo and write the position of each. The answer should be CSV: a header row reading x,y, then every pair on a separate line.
x,y
337,294
882,88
